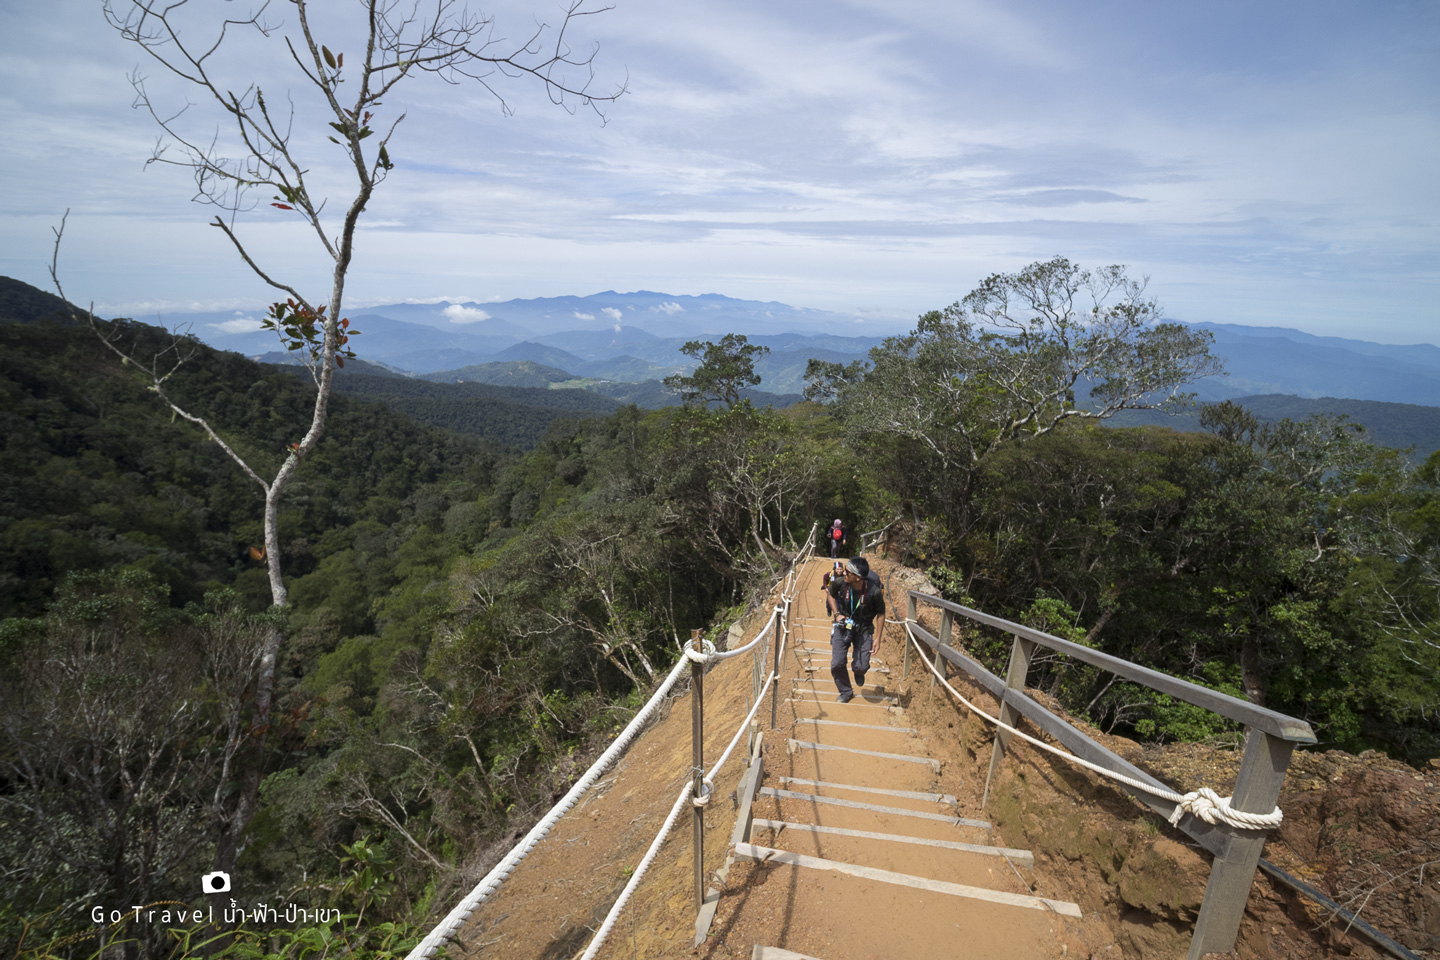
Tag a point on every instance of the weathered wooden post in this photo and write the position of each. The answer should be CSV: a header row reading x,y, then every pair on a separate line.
x,y
911,614
1020,653
1232,873
697,774
757,664
947,622
775,687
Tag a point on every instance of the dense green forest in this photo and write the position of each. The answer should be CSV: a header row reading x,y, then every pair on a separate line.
x,y
504,416
469,622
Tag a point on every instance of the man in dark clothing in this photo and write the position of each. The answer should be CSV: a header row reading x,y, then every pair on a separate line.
x,y
857,605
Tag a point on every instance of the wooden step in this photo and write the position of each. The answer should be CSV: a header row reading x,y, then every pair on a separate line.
x,y
776,953
1023,858
944,798
750,851
840,767
919,856
855,708
841,917
811,668
793,745
859,700
862,726
816,798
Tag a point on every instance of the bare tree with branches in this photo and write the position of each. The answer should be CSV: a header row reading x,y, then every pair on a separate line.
x,y
263,143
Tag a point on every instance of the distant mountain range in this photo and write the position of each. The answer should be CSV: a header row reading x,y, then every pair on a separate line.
x,y
621,345
636,338
1261,360
1398,425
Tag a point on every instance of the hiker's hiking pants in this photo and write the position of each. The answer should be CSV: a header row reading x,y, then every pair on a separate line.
x,y
858,642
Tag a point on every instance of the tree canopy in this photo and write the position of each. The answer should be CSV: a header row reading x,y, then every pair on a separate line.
x,y
726,368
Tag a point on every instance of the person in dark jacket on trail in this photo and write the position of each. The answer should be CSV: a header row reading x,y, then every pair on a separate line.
x,y
837,536
857,606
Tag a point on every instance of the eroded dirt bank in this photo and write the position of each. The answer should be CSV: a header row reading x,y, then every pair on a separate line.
x,y
1364,830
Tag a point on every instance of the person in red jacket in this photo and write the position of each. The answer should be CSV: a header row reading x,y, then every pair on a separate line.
x,y
837,536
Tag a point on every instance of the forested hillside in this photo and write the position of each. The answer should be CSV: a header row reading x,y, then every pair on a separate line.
x,y
97,476
468,621
463,622
509,415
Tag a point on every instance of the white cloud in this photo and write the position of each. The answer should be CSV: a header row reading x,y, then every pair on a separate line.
x,y
456,313
584,316
238,325
670,308
612,313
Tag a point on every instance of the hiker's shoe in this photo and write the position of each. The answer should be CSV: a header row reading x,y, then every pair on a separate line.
x,y
845,697
859,679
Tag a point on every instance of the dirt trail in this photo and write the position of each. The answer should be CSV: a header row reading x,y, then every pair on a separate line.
x,y
1136,882
822,913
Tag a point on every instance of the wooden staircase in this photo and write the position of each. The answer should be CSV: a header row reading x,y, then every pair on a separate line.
x,y
877,859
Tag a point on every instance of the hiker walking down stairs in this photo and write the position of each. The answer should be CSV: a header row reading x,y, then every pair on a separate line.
x,y
837,537
857,603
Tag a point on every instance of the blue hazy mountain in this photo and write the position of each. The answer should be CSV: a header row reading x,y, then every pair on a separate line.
x,y
416,347
661,314
637,337
1275,360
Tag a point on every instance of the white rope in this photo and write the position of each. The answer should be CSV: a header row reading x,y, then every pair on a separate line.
x,y
709,788
744,725
603,933
708,783
1204,803
702,655
427,947
443,931
726,655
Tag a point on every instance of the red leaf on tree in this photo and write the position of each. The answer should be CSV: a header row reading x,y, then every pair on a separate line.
x,y
282,206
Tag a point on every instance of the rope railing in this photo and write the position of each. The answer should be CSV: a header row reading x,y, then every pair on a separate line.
x,y
1231,828
623,900
446,929
779,613
443,931
1204,803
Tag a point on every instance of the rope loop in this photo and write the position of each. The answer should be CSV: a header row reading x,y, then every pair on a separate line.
x,y
707,790
702,655
1209,806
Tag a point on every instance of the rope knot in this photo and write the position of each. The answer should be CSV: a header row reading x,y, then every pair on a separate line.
x,y
702,655
1209,806
1205,804
707,789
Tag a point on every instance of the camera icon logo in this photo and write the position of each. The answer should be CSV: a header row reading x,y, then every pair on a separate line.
x,y
217,882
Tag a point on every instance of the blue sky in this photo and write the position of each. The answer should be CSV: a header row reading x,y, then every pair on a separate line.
x,y
1268,164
